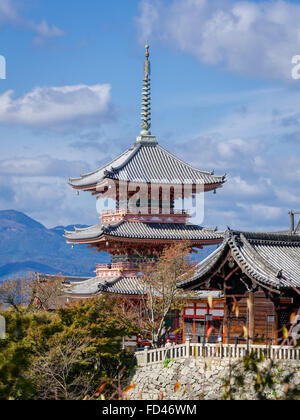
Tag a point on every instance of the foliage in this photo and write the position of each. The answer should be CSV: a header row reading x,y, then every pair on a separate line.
x,y
262,379
114,389
62,355
167,362
160,294
29,294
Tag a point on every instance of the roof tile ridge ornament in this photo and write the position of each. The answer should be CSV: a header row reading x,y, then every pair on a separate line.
x,y
107,228
145,135
115,169
108,283
270,270
227,234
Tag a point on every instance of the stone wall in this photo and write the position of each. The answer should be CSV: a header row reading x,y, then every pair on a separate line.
x,y
196,379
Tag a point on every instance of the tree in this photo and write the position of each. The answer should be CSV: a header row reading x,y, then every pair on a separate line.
x,y
28,294
63,354
60,371
160,294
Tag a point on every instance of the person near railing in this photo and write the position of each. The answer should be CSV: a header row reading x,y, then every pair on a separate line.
x,y
167,347
139,342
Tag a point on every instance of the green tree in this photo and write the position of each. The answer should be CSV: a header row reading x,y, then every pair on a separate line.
x,y
62,355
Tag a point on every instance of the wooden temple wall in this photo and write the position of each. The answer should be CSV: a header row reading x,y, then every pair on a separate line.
x,y
265,317
261,321
235,319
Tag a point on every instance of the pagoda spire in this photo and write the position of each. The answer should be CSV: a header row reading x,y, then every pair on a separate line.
x,y
146,108
146,102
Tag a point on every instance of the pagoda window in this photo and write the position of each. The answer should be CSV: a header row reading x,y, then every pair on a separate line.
x,y
194,196
172,199
160,200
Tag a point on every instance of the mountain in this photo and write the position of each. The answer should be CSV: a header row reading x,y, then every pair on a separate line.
x,y
28,246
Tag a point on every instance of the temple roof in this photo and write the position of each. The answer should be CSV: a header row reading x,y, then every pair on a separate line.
x,y
138,230
119,286
95,285
272,259
147,162
123,286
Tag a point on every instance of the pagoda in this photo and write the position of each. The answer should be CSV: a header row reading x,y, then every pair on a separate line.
x,y
149,187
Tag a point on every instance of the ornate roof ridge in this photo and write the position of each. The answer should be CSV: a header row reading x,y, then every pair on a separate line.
x,y
108,282
253,257
98,225
127,288
264,256
133,148
275,237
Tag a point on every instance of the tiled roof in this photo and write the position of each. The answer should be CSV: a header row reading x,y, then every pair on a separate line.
x,y
118,286
270,258
147,163
204,267
95,285
138,230
123,286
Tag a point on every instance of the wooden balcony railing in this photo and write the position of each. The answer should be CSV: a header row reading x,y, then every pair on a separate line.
x,y
124,211
118,266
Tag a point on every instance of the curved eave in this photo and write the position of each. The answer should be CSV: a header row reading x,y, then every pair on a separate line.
x,y
109,238
253,265
121,292
97,187
264,265
140,233
205,268
148,164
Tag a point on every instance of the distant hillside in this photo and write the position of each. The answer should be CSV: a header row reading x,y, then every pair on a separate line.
x,y
28,246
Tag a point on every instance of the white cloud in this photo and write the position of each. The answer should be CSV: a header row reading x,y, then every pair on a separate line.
x,y
216,152
288,197
28,196
231,148
254,39
38,195
238,187
262,211
148,18
55,105
44,166
9,14
43,29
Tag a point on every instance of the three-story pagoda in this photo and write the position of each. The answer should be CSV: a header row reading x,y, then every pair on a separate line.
x,y
146,183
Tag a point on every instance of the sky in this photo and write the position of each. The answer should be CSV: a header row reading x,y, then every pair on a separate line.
x,y
223,98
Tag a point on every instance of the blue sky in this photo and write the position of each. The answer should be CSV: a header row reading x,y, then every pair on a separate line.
x,y
223,99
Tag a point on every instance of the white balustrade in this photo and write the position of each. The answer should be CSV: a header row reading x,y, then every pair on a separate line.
x,y
219,351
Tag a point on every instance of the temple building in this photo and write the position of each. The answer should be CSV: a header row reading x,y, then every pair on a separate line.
x,y
259,275
149,189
